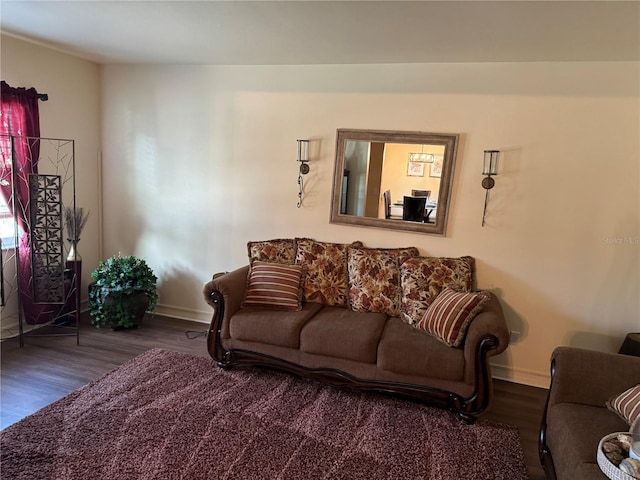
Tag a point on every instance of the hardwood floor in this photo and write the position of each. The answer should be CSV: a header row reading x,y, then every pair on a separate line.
x,y
521,406
48,368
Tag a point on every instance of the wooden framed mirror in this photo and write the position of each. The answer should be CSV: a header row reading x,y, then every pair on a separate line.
x,y
383,178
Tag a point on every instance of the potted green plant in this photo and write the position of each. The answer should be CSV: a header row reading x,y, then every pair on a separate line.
x,y
123,290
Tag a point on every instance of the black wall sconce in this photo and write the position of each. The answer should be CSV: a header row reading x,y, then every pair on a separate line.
x,y
489,169
303,158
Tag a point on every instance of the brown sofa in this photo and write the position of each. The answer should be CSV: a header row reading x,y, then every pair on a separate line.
x,y
363,350
576,416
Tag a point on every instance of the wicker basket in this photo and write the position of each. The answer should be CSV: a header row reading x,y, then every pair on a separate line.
x,y
608,468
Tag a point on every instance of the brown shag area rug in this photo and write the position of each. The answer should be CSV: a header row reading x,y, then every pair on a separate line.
x,y
167,415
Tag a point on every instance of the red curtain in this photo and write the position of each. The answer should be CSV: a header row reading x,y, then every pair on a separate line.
x,y
20,130
20,117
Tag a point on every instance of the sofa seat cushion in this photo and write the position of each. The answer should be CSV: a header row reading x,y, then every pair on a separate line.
x,y
342,333
270,326
407,350
573,434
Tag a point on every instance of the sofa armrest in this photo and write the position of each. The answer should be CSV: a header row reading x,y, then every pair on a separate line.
x,y
232,287
490,321
590,377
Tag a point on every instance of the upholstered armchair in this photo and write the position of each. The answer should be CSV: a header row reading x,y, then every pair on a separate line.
x,y
576,416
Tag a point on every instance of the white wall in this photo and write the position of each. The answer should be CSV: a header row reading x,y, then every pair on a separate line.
x,y
72,112
200,160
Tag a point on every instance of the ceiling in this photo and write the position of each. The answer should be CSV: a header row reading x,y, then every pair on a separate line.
x,y
329,32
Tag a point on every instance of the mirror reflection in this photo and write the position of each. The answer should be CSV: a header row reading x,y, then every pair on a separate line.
x,y
398,180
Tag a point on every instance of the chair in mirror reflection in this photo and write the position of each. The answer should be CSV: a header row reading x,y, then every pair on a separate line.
x,y
413,208
421,193
386,196
431,205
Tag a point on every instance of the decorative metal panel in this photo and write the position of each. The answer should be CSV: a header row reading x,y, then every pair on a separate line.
x,y
47,264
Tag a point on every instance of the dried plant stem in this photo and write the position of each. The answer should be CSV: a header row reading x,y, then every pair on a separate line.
x,y
75,219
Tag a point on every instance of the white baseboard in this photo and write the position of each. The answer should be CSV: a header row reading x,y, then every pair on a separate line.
x,y
516,375
11,330
199,316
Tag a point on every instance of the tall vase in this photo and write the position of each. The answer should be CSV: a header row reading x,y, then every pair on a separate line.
x,y
73,255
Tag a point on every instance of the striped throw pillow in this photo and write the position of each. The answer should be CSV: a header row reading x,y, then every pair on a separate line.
x,y
274,286
627,404
449,315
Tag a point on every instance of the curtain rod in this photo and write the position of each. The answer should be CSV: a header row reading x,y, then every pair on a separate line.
x,y
41,96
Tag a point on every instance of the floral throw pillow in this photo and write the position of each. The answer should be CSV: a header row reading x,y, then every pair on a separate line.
x,y
449,315
423,278
325,271
277,250
273,286
374,279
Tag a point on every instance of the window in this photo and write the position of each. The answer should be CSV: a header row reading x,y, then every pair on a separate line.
x,y
7,222
7,226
